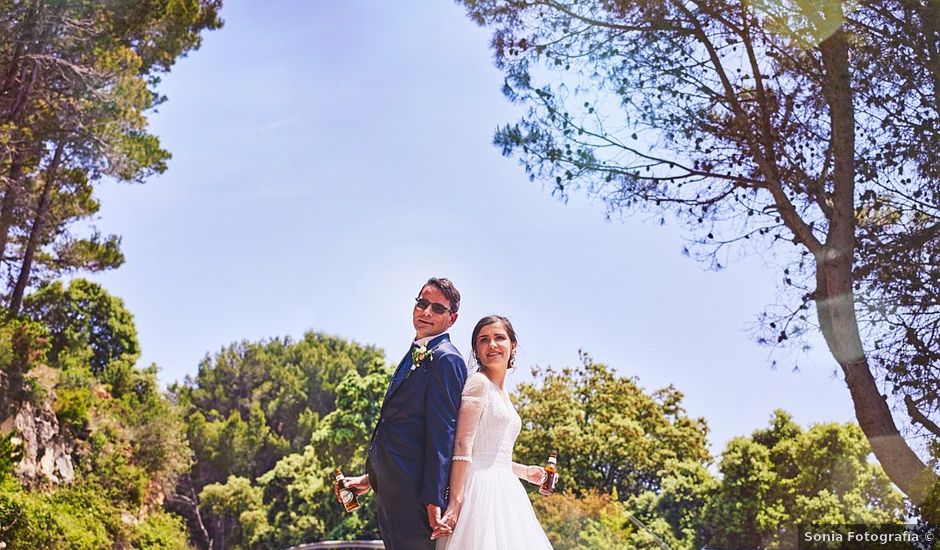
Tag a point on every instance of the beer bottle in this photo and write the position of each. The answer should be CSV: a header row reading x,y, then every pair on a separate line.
x,y
345,496
548,486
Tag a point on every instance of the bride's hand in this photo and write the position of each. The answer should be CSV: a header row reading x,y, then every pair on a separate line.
x,y
449,519
439,527
536,475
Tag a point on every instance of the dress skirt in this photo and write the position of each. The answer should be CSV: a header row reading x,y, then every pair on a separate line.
x,y
496,514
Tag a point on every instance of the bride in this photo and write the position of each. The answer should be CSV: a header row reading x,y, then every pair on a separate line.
x,y
488,509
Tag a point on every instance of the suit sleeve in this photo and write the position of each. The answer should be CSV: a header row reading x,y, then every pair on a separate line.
x,y
442,403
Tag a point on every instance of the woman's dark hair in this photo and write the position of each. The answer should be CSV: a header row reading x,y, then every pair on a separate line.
x,y
490,320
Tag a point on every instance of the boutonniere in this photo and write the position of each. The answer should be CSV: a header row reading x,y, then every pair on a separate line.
x,y
418,355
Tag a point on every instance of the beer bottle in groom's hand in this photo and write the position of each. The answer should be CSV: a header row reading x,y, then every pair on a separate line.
x,y
347,498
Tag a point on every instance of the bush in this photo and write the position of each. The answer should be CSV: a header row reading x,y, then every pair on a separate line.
x,y
73,518
22,346
25,521
160,531
74,400
10,455
121,481
85,518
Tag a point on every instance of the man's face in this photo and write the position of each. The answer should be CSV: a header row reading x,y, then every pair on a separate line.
x,y
426,321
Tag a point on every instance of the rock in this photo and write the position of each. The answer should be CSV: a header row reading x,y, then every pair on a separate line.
x,y
46,452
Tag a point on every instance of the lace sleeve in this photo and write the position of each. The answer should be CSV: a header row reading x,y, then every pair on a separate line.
x,y
471,408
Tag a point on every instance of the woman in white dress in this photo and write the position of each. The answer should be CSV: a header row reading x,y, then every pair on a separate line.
x,y
488,507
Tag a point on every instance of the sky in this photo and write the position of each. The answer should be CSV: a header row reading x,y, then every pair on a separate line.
x,y
329,156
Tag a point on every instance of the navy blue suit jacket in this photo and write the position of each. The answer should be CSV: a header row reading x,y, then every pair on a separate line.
x,y
412,444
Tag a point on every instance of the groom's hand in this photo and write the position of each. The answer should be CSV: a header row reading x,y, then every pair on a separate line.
x,y
438,527
358,484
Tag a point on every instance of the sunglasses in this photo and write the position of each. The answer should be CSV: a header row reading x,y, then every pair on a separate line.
x,y
422,304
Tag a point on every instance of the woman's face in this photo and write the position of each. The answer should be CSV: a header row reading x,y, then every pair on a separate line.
x,y
493,346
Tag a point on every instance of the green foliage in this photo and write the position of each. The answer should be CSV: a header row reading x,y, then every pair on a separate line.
x,y
929,510
224,504
298,497
73,407
80,77
295,495
86,517
805,131
340,437
81,518
10,455
89,326
137,446
26,519
565,516
160,531
783,476
617,442
155,429
128,446
610,433
595,521
281,414
743,512
687,489
23,344
110,466
253,403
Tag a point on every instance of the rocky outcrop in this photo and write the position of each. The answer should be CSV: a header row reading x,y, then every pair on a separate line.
x,y
46,452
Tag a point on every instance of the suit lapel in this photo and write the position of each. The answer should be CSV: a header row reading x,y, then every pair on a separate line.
x,y
405,366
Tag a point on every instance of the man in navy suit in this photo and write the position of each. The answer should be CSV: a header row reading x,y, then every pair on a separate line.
x,y
408,464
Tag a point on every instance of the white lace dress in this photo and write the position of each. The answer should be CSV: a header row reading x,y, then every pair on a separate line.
x,y
496,513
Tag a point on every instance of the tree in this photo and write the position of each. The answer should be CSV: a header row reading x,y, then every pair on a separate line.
x,y
298,500
88,327
774,126
254,409
784,476
23,344
769,483
75,81
610,434
127,445
743,504
224,504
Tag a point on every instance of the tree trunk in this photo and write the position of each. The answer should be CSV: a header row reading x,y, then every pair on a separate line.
x,y
11,195
39,222
836,311
22,86
834,295
187,506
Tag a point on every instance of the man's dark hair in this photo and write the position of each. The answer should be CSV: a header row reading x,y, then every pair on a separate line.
x,y
447,288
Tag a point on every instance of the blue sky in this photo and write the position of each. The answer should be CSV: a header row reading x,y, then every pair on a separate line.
x,y
329,156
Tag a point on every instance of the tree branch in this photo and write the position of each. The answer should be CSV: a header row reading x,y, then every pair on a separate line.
x,y
919,417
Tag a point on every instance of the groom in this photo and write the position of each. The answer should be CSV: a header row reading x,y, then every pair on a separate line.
x,y
408,463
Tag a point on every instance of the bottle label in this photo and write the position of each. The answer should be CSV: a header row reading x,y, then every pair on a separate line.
x,y
346,495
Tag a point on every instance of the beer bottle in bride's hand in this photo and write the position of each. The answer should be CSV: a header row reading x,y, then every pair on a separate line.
x,y
551,469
